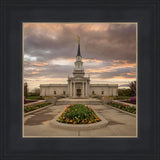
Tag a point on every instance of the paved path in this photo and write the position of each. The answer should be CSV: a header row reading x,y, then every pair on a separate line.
x,y
120,124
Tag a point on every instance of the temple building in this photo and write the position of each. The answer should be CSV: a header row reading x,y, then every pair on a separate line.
x,y
79,85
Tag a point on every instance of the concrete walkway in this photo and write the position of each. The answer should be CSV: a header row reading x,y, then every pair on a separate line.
x,y
120,124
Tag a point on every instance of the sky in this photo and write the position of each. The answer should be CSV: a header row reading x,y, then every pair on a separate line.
x,y
108,52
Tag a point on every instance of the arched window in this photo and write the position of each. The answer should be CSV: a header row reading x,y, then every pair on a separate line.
x,y
54,92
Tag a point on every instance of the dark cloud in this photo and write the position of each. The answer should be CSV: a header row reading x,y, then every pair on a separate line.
x,y
116,42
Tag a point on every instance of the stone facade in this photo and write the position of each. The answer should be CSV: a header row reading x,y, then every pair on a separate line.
x,y
78,85
53,89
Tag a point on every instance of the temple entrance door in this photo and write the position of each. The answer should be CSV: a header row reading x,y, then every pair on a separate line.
x,y
78,92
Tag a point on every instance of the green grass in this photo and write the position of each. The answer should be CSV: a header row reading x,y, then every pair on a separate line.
x,y
78,114
121,97
34,97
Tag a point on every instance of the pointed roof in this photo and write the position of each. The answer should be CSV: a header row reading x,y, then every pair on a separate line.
x,y
78,52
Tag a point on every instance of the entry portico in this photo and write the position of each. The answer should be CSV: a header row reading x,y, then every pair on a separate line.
x,y
78,87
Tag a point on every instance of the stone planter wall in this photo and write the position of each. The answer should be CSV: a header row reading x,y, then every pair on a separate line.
x,y
129,104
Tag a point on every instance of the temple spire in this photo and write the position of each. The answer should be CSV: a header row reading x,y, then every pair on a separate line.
x,y
78,53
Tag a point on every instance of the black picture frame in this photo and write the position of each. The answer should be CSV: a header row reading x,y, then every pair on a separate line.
x,y
13,146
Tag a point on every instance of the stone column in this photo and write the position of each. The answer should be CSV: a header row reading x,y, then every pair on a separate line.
x,y
83,89
74,89
86,89
70,88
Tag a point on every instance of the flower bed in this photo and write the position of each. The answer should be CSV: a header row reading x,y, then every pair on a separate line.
x,y
123,107
78,114
35,106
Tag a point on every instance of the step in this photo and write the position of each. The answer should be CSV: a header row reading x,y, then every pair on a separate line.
x,y
79,101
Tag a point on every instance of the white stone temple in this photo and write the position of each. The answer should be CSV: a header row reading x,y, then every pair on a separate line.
x,y
78,85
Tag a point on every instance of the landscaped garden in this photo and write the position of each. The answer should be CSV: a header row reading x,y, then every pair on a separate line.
x,y
35,106
123,107
78,114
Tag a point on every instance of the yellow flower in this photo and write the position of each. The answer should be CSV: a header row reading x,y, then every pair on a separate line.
x,y
58,119
89,122
75,109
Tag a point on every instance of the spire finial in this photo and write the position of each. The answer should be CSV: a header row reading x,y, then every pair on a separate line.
x,y
78,53
78,39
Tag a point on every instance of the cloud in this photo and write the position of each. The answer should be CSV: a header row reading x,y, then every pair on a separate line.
x,y
108,49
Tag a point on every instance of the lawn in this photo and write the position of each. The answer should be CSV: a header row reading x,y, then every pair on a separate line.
x,y
34,97
121,97
78,114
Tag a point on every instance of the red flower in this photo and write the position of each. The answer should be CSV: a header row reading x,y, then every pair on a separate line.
x,y
92,115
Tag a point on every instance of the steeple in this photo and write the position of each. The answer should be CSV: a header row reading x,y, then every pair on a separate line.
x,y
78,65
78,52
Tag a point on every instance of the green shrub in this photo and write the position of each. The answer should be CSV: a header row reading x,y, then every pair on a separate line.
x,y
124,92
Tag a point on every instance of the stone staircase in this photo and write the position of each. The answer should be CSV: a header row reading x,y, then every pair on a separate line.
x,y
89,101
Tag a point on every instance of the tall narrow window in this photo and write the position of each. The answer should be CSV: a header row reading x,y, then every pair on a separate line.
x,y
54,92
64,92
102,92
93,92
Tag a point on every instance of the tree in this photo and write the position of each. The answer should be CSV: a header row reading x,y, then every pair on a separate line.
x,y
37,91
124,92
132,86
25,89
